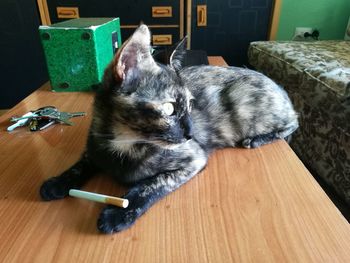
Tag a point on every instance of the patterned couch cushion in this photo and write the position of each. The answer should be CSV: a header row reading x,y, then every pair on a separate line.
x,y
326,61
316,75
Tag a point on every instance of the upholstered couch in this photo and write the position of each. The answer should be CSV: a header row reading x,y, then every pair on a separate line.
x,y
316,74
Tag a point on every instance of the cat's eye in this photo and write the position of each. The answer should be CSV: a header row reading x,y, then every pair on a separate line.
x,y
168,108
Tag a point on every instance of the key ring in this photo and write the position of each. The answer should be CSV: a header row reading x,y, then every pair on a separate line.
x,y
46,111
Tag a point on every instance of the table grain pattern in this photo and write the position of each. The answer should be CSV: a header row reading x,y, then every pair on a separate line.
x,y
257,205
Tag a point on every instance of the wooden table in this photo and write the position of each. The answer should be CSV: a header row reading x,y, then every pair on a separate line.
x,y
258,205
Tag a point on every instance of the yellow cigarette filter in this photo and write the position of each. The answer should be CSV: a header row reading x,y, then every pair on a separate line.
x,y
121,202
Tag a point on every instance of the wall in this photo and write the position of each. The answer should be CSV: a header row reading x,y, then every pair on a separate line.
x,y
22,65
330,17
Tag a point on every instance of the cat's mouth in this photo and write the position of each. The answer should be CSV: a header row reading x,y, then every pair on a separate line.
x,y
173,140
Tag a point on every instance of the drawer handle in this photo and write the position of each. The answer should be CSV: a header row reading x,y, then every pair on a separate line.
x,y
67,12
162,39
162,11
201,15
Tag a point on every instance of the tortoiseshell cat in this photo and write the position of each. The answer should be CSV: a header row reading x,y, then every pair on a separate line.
x,y
155,125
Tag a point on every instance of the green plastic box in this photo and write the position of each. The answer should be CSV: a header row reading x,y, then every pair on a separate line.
x,y
77,51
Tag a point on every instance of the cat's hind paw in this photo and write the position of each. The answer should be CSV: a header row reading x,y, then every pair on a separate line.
x,y
246,143
114,219
252,143
259,140
54,188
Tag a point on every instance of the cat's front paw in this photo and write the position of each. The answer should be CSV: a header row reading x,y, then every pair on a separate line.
x,y
54,188
114,219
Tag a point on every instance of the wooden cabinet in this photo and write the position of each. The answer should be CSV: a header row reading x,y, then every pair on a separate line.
x,y
226,28
164,17
220,27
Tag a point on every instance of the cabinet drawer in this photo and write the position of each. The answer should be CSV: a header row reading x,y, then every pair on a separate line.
x,y
130,12
162,11
161,40
67,12
164,35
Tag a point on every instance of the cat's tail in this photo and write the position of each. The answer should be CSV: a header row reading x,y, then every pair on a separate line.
x,y
75,177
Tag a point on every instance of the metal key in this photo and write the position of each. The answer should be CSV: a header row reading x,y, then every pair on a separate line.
x,y
22,121
65,116
37,113
24,118
61,116
48,112
29,116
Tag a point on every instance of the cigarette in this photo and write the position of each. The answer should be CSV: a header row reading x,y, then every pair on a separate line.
x,y
121,202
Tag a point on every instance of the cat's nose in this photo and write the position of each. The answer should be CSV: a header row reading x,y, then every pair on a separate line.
x,y
187,127
188,136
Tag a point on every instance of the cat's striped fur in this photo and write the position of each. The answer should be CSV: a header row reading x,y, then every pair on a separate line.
x,y
136,140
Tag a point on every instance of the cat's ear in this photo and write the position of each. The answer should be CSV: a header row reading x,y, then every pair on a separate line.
x,y
135,56
176,58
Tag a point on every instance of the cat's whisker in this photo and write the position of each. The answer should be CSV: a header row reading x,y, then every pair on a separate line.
x,y
151,140
157,140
